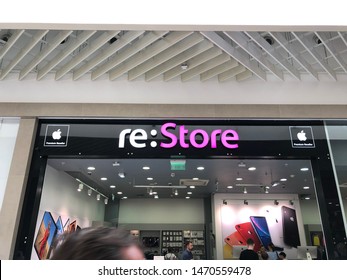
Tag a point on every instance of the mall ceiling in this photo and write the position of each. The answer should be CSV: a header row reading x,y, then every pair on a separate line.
x,y
223,56
211,176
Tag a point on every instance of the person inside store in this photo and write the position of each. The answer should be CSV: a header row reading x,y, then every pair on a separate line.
x,y
273,254
187,253
170,255
99,243
249,253
282,256
263,254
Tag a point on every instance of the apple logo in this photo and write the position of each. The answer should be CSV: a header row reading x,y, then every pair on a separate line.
x,y
292,219
56,134
302,136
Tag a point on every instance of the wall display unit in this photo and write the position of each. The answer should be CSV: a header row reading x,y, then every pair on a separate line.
x,y
172,239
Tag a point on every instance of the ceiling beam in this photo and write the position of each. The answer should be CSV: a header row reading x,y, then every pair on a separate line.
x,y
193,62
330,47
111,50
128,52
178,60
81,38
218,70
236,54
13,39
165,55
244,76
254,51
227,75
45,52
23,52
270,50
309,47
342,38
205,67
293,53
87,51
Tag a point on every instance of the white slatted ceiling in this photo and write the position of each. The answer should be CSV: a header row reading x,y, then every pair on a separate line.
x,y
222,56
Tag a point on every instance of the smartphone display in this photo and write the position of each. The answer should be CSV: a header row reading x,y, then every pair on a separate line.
x,y
246,230
261,228
235,239
290,227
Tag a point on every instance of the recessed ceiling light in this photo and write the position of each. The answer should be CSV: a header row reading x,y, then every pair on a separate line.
x,y
195,179
200,168
192,187
304,169
307,197
252,168
306,187
229,187
154,192
124,197
103,179
156,196
283,179
239,179
91,168
187,197
112,186
189,193
119,193
146,168
292,176
149,178
121,174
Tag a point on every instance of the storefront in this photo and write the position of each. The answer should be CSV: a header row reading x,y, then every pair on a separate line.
x,y
179,142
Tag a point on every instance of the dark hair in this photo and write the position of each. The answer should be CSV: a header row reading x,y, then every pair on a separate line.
x,y
264,256
101,243
283,254
187,243
250,241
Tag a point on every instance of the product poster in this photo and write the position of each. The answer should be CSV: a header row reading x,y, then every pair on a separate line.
x,y
263,223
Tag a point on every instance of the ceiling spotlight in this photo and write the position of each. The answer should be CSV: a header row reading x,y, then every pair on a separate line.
x,y
150,192
276,202
244,190
225,202
291,202
317,40
106,200
121,174
176,192
116,163
112,186
98,196
275,184
241,164
80,187
269,39
266,190
252,168
245,202
184,66
91,168
112,197
156,196
5,37
89,192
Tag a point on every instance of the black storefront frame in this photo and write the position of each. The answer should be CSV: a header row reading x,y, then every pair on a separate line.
x,y
94,145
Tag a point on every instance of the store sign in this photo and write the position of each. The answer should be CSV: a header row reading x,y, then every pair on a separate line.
x,y
56,135
301,136
185,138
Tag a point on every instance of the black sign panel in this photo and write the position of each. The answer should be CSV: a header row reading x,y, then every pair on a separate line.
x,y
301,136
56,135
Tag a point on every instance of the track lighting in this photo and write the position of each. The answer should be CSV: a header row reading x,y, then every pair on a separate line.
x,y
244,190
80,187
245,202
121,174
90,192
176,192
98,196
276,202
106,200
225,202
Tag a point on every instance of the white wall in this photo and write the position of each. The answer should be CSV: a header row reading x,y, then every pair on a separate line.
x,y
310,212
161,211
8,135
61,198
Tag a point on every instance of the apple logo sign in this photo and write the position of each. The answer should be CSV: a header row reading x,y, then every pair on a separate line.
x,y
302,136
56,135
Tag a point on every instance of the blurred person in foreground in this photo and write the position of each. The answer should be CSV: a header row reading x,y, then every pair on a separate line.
x,y
100,243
